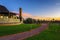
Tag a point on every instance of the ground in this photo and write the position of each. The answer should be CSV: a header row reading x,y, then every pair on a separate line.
x,y
7,30
24,35
52,33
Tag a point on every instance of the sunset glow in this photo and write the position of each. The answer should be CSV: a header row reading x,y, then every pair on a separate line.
x,y
38,9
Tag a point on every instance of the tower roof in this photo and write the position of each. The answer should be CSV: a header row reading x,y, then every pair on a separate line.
x,y
3,9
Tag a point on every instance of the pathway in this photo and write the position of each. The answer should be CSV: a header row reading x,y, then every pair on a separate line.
x,y
24,35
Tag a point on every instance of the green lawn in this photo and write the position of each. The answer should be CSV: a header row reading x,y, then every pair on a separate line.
x,y
52,33
6,30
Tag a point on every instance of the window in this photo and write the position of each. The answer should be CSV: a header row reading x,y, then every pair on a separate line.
x,y
1,16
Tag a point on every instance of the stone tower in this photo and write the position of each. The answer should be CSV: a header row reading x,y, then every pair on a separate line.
x,y
20,14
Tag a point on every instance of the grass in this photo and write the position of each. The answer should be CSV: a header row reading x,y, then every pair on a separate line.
x,y
52,33
6,30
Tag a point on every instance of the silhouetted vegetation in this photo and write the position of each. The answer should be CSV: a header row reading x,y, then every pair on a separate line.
x,y
34,21
29,21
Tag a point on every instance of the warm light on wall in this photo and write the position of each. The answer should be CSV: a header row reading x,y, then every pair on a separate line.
x,y
1,17
7,17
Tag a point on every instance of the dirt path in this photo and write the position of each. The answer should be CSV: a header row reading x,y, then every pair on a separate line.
x,y
21,36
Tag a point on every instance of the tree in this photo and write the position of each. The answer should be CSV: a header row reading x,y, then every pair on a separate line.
x,y
34,21
53,19
38,21
30,21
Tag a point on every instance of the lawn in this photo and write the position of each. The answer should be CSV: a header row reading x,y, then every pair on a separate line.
x,y
52,33
6,30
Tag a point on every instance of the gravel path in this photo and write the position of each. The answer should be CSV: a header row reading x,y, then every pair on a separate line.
x,y
24,35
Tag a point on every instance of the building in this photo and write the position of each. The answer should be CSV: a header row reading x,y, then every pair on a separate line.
x,y
9,17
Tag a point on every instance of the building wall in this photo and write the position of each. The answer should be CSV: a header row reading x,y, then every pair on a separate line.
x,y
5,19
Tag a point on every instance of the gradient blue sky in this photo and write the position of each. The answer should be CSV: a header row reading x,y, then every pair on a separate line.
x,y
48,8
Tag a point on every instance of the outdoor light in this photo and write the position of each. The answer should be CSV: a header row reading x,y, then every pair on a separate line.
x,y
1,16
6,17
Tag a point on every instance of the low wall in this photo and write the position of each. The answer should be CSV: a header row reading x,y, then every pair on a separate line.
x,y
7,24
10,20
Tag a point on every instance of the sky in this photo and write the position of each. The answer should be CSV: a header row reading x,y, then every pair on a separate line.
x,y
36,8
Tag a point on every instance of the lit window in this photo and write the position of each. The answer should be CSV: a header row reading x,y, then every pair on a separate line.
x,y
6,17
1,16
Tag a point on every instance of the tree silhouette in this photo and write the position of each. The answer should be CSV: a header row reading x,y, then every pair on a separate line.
x,y
38,21
30,21
53,19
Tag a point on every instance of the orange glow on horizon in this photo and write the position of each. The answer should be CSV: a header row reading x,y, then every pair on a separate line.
x,y
46,18
27,15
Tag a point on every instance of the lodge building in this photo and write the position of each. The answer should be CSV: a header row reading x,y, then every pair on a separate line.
x,y
9,17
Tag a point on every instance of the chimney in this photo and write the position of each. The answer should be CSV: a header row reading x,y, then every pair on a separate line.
x,y
20,14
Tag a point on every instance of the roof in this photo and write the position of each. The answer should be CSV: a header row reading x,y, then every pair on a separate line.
x,y
4,10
